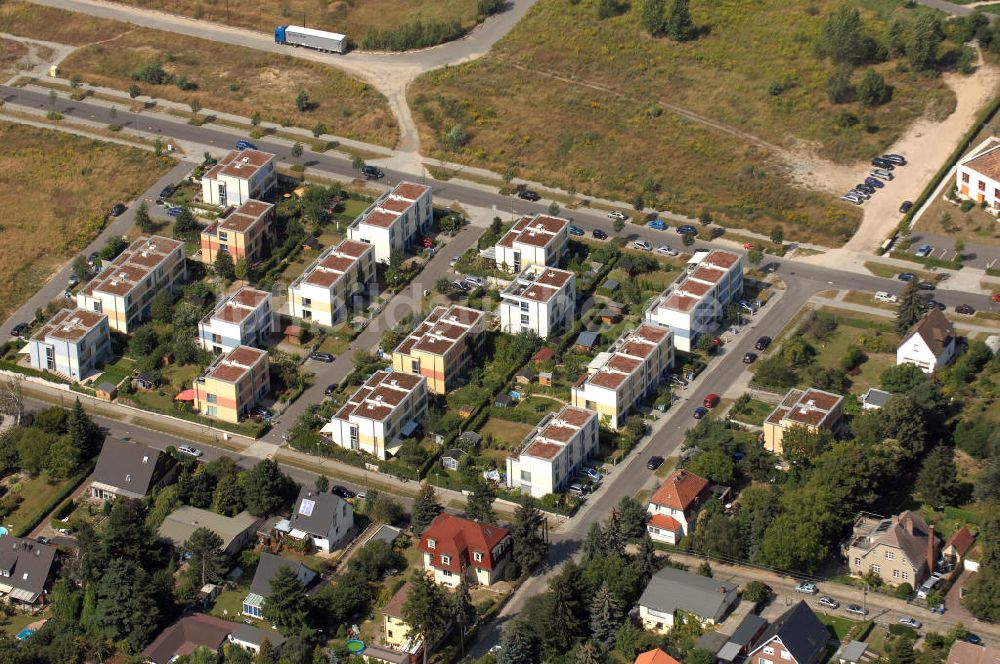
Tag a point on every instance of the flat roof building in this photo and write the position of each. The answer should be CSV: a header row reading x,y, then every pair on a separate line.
x,y
538,240
233,384
552,453
540,299
324,293
243,232
238,177
73,343
811,408
395,221
245,318
441,348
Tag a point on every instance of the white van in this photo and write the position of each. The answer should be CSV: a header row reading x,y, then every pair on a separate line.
x,y
883,296
928,586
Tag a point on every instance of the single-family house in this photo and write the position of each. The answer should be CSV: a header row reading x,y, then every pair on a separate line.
x,y
127,469
963,652
454,547
930,344
674,506
958,546
655,656
673,592
875,399
200,630
25,568
900,549
321,519
396,631
236,532
260,588
797,636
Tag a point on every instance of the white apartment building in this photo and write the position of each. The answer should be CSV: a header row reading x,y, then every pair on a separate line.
x,y
323,292
396,220
245,318
72,343
696,303
629,371
977,175
381,414
125,288
537,240
553,452
238,177
540,299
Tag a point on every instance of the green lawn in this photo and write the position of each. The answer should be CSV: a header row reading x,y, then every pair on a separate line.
x,y
15,623
754,412
334,344
35,493
838,625
533,407
116,372
229,604
505,431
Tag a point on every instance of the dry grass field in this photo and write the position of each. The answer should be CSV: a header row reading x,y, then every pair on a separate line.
x,y
351,17
238,80
54,191
55,25
11,53
593,105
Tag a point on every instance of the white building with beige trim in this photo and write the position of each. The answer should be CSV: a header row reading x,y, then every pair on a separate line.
x,y
396,220
977,175
238,177
245,318
540,299
125,288
73,343
695,303
629,371
538,240
553,452
380,415
324,292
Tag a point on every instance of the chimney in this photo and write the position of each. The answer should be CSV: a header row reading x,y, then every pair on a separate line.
x,y
931,557
908,523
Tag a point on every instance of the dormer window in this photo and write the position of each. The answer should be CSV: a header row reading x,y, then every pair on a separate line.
x,y
445,560
128,478
477,556
431,544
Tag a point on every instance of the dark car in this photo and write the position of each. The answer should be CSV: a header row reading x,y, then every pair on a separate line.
x,y
926,285
343,492
599,234
654,462
42,540
19,329
857,609
330,389
576,230
244,144
762,343
973,639
749,357
166,191
897,159
174,211
882,163
529,195
321,357
874,182
372,172
906,276
687,229
700,412
965,309
905,207
934,304
118,210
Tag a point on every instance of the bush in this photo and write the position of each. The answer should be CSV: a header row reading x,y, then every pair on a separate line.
x,y
412,35
904,591
968,205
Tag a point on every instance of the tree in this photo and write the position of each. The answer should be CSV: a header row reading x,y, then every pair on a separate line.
x,y
318,129
133,91
255,118
479,505
530,546
242,269
901,650
873,90
297,150
322,484
63,458
185,222
267,489
422,610
988,483
80,268
777,235
587,654
982,591
425,508
757,592
719,535
287,605
922,42
911,308
612,539
357,162
843,38
126,535
224,266
564,610
937,482
903,378
646,561
632,517
462,613
302,102
606,8
839,88
605,617
195,106
652,16
687,239
517,644
618,225
679,26
755,257
207,558
142,219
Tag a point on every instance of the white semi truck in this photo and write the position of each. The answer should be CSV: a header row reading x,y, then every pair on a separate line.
x,y
321,40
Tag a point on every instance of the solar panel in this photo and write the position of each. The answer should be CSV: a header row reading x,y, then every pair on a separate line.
x,y
306,508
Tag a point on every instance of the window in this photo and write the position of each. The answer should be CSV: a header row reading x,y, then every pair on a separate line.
x,y
768,650
525,319
765,661
982,185
890,555
785,654
431,544
212,411
526,476
857,562
212,398
223,236
906,576
445,560
895,573
307,302
877,569
478,557
524,306
415,366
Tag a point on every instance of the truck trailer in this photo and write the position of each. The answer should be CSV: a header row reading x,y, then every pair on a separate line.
x,y
321,40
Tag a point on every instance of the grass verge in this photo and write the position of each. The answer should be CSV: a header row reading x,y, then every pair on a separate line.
x,y
56,25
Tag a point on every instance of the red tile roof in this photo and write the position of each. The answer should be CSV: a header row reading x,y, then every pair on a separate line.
x,y
655,656
681,488
459,538
664,522
961,541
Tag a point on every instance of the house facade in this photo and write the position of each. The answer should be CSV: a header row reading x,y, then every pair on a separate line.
x,y
233,384
442,347
553,452
977,175
323,520
73,343
245,318
539,240
236,532
260,588
239,177
695,304
673,592
324,292
811,408
125,288
900,549
395,221
930,344
243,232
127,469
540,300
25,568
380,414
797,636
453,548
631,370
674,506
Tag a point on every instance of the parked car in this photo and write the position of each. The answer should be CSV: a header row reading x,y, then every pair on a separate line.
x,y
965,309
700,412
528,195
577,490
711,401
678,380
73,280
905,206
591,473
320,356
749,357
865,188
934,304
454,260
657,225
829,602
973,639
262,413
244,144
882,163
882,174
887,297
118,210
458,285
342,491
599,234
897,159
923,251
859,194
687,229
926,286
666,250
19,329
473,281
806,588
762,343
192,451
330,389
166,191
92,259
996,297
857,609
851,198
643,245
372,172
173,211
617,215
576,230
654,462
42,540
749,246
910,622
874,182
906,276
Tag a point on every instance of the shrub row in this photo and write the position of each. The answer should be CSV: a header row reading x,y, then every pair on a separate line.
x,y
44,510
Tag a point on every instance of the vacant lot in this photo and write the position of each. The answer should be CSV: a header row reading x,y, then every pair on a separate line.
x,y
599,107
347,16
54,201
11,53
56,25
238,80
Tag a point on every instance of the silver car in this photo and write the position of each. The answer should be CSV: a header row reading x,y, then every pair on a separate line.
x,y
643,245
910,622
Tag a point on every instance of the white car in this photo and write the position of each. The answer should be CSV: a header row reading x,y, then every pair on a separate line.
x,y
473,281
617,215
643,245
666,250
884,296
910,622
187,449
829,602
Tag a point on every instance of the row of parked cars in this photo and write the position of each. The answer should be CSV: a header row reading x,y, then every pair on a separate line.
x,y
876,178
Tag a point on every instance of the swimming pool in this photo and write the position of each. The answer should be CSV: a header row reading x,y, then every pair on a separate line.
x,y
25,633
3,531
